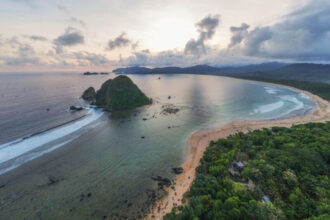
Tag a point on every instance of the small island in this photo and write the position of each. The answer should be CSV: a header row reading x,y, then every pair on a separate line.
x,y
95,73
90,73
117,94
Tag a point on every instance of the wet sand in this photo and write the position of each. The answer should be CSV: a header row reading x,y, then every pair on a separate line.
x,y
199,140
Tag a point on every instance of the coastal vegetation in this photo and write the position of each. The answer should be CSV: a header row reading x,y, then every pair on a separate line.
x,y
118,94
277,173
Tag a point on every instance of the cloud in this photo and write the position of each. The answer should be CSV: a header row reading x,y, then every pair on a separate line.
x,y
238,34
77,21
18,51
36,37
63,8
135,45
145,58
19,54
91,58
70,38
302,35
118,42
206,28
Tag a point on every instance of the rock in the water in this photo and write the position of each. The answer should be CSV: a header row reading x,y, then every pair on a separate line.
x,y
169,109
90,73
76,108
120,93
177,170
89,95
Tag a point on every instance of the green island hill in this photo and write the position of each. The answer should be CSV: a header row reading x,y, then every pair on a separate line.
x,y
117,94
277,173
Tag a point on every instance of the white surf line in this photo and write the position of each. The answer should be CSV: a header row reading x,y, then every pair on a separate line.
x,y
20,161
271,90
293,99
268,107
15,149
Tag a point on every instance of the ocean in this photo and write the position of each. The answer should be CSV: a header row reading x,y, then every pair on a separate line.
x,y
56,164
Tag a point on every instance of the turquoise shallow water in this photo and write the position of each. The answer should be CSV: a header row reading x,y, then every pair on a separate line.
x,y
104,169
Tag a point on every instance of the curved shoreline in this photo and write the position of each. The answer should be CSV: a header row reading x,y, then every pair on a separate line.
x,y
199,140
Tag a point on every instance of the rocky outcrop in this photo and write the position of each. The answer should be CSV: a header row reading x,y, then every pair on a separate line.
x,y
76,108
89,95
119,94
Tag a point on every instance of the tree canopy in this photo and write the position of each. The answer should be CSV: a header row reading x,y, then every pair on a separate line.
x,y
285,176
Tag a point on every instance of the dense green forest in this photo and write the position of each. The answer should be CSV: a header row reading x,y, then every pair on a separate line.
x,y
120,93
317,88
277,173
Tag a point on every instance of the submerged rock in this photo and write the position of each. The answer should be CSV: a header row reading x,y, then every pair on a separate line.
x,y
177,170
162,181
169,109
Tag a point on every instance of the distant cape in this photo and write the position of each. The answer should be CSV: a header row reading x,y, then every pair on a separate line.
x,y
277,71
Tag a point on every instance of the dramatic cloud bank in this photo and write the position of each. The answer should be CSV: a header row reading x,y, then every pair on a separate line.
x,y
300,36
303,35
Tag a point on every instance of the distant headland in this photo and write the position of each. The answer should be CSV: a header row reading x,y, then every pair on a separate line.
x,y
314,78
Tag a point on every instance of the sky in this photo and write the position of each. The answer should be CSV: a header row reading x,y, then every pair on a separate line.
x,y
55,35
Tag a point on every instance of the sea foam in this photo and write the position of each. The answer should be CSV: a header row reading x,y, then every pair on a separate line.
x,y
293,99
19,147
271,90
269,107
30,156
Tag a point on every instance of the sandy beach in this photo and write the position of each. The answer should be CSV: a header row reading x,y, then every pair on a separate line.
x,y
199,140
